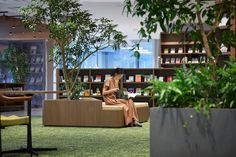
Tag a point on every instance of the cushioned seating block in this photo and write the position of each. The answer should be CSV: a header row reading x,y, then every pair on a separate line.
x,y
142,109
14,120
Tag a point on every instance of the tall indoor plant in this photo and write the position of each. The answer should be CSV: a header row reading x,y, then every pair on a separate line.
x,y
176,129
75,33
17,62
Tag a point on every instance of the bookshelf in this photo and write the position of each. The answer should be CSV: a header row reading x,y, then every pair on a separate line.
x,y
35,51
176,51
134,80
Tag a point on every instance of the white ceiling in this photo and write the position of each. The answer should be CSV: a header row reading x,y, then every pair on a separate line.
x,y
111,9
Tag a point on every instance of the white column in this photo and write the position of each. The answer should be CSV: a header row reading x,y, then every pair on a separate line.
x,y
156,54
49,70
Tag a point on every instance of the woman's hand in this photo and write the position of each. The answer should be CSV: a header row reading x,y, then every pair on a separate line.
x,y
115,90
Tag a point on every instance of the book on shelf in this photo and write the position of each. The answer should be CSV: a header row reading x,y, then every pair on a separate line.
x,y
91,79
147,78
32,79
169,78
41,59
98,92
39,79
203,50
180,50
38,60
32,60
85,78
132,95
146,93
131,90
32,69
177,60
138,91
37,69
98,78
138,78
197,51
131,79
184,60
195,60
124,94
172,50
33,49
167,60
190,50
62,79
161,78
202,59
107,76
172,60
166,50
17,88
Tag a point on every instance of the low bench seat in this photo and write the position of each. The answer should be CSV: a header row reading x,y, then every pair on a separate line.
x,y
88,112
117,118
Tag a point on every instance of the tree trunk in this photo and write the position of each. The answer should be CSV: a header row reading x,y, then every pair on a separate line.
x,y
65,70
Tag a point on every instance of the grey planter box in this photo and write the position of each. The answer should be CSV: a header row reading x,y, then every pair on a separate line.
x,y
176,132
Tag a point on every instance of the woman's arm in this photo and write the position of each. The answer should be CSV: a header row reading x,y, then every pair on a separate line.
x,y
106,91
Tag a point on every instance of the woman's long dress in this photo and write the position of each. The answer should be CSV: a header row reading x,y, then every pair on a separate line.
x,y
130,112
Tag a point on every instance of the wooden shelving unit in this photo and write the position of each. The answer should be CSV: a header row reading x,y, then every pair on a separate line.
x,y
35,51
176,51
88,76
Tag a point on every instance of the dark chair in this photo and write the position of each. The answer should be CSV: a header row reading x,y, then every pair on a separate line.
x,y
7,121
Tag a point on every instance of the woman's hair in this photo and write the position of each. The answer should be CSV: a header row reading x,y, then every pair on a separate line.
x,y
117,71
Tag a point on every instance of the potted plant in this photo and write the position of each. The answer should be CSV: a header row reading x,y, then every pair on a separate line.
x,y
175,124
76,36
176,128
17,62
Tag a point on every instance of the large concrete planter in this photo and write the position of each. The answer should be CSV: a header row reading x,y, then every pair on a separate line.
x,y
176,132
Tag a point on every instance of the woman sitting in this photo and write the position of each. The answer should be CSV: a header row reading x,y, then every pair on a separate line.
x,y
111,86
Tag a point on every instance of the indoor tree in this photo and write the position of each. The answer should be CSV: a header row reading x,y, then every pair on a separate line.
x,y
17,62
199,19
75,33
198,87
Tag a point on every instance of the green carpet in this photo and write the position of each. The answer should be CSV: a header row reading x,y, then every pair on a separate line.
x,y
81,141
